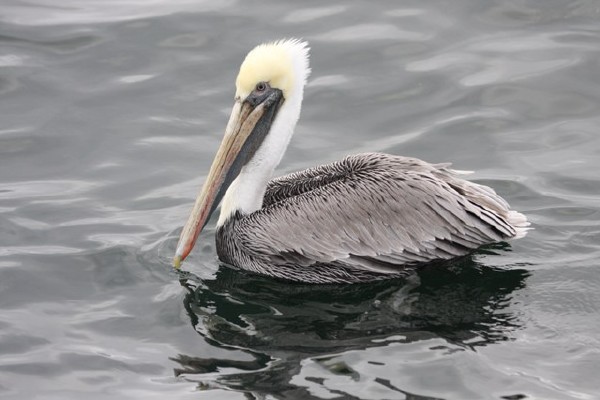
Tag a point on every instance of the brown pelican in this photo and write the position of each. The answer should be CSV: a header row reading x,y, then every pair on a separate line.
x,y
368,216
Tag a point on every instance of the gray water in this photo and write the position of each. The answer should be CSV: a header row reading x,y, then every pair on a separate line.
x,y
111,113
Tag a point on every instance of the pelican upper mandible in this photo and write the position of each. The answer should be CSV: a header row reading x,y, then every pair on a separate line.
x,y
369,216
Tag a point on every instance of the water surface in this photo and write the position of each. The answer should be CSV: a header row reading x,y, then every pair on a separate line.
x,y
112,111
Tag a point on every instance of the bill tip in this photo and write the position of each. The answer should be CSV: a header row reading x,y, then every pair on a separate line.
x,y
177,262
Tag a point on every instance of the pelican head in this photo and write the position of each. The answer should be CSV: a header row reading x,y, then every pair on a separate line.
x,y
268,98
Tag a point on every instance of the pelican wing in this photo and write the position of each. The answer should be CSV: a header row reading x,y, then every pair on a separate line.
x,y
375,212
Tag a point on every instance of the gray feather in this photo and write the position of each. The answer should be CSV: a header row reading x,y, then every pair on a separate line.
x,y
368,216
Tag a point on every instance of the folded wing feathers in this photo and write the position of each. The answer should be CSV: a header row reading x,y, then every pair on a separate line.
x,y
374,211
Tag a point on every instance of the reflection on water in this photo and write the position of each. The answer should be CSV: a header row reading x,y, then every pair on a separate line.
x,y
464,303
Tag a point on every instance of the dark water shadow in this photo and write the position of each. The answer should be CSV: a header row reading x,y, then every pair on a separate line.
x,y
279,324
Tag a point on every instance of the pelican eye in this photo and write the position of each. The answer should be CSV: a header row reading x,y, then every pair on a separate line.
x,y
261,87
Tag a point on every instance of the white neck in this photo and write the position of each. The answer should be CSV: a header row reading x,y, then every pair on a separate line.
x,y
246,192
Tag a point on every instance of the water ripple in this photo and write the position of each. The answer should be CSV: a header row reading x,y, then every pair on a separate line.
x,y
112,111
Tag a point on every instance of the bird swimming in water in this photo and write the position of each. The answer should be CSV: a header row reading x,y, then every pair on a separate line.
x,y
369,216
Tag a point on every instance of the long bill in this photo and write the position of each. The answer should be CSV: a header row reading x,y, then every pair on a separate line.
x,y
231,156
